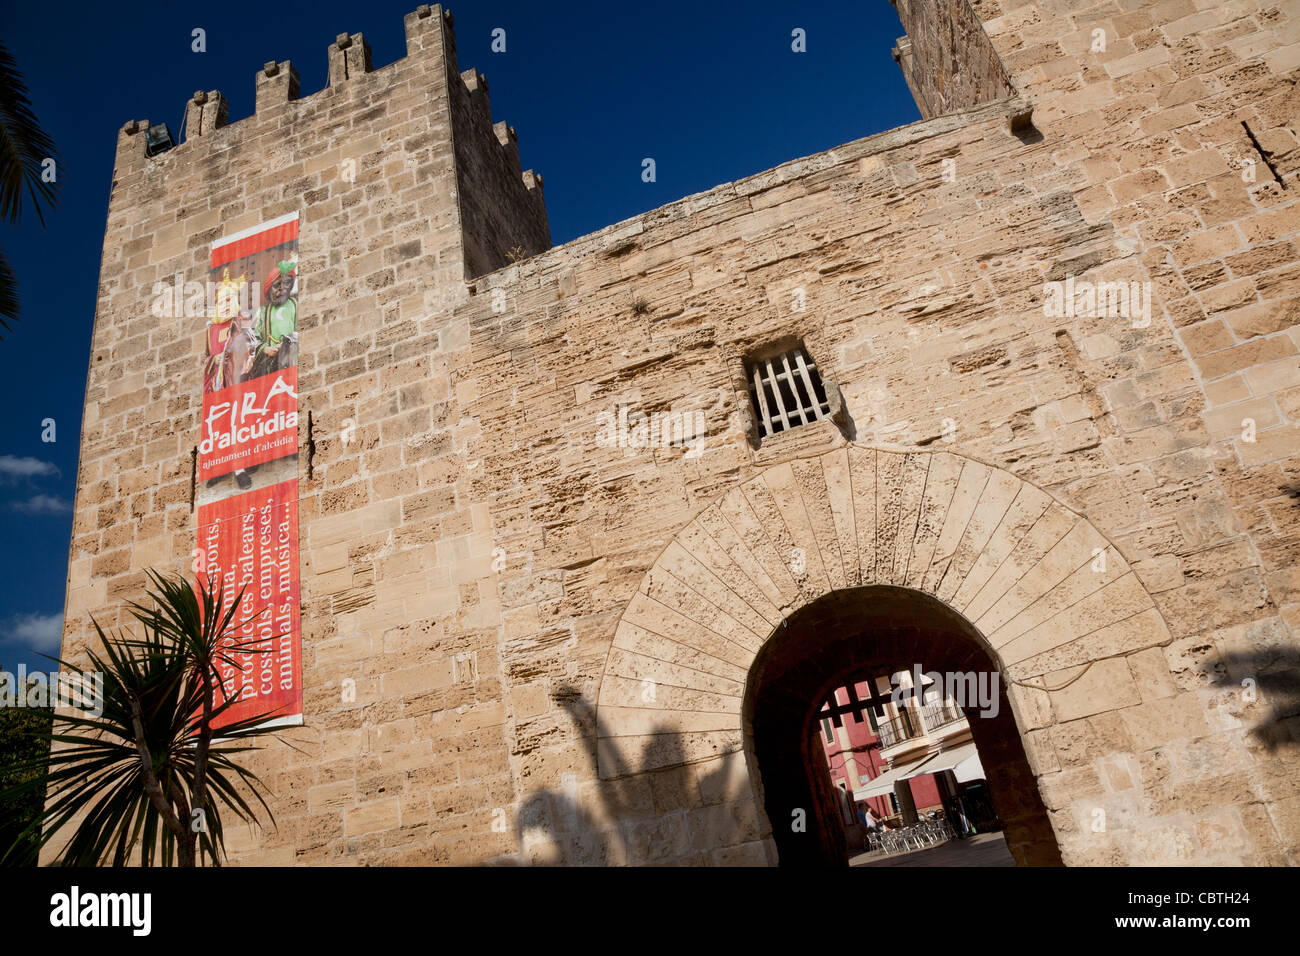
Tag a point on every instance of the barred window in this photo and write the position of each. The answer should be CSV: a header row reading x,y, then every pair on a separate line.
x,y
786,391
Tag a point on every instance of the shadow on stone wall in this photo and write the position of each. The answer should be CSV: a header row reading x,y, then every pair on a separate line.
x,y
1276,677
643,815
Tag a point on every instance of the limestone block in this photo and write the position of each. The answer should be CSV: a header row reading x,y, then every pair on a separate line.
x,y
1105,685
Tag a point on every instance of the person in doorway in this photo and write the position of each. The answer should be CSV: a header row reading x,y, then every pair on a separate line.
x,y
964,828
869,819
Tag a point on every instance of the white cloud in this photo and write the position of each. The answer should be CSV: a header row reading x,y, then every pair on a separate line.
x,y
40,632
13,467
43,505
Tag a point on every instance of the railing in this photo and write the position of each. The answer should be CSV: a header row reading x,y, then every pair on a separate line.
x,y
897,729
941,713
913,723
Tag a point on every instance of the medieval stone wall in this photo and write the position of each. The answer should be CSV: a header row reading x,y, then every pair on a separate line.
x,y
369,161
1157,127
946,57
502,212
471,556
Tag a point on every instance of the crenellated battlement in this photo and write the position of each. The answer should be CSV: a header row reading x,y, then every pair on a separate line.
x,y
500,208
1087,494
206,111
483,131
277,84
487,156
349,58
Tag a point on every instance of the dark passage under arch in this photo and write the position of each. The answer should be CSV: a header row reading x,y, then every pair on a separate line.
x,y
876,629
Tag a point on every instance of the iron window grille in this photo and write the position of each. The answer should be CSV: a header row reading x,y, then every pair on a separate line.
x,y
786,391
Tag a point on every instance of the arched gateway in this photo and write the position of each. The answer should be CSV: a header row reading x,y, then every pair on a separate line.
x,y
866,556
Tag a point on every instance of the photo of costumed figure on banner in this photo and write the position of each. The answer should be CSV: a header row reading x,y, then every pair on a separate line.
x,y
250,362
247,489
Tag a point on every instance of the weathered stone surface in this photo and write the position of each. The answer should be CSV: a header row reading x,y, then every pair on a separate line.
x,y
545,624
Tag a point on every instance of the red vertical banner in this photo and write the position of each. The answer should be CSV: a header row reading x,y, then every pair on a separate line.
x,y
250,541
248,465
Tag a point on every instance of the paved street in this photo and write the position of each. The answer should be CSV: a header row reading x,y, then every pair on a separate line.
x,y
984,849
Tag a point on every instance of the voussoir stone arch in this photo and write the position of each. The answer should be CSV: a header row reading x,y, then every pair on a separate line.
x,y
1057,605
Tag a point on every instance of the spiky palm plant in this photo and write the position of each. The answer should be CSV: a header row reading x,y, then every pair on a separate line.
x,y
24,148
145,775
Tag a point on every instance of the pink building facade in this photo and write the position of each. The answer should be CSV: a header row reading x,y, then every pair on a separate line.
x,y
900,757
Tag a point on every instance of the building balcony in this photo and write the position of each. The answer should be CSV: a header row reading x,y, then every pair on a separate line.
x,y
940,715
899,729
920,729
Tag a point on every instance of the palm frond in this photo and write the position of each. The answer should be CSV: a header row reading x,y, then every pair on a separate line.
x,y
124,780
9,302
24,147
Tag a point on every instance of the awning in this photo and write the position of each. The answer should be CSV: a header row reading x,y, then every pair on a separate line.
x,y
962,760
885,782
969,769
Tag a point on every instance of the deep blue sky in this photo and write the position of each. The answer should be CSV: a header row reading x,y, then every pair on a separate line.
x,y
711,90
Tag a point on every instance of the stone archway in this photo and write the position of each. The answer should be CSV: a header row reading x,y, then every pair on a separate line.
x,y
837,640
1057,606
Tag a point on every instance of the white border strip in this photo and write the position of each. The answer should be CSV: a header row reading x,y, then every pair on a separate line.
x,y
253,230
293,721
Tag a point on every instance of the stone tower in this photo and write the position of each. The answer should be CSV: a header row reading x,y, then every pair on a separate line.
x,y
572,583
